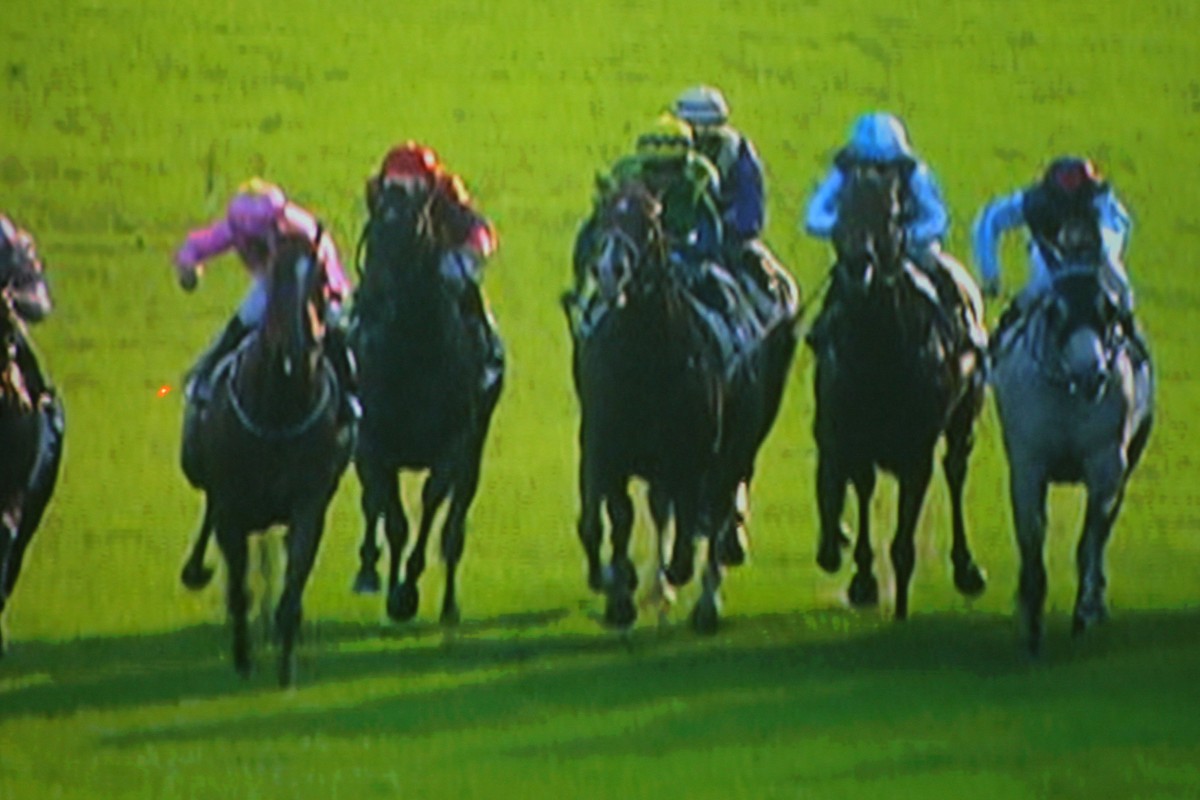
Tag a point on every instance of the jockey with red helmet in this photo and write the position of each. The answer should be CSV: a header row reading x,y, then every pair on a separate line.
x,y
467,236
254,219
23,281
1073,217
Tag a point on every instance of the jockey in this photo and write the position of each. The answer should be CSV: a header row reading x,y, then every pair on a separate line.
x,y
685,182
880,140
466,235
257,214
23,279
742,196
1070,191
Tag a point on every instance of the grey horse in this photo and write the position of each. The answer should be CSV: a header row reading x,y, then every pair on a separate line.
x,y
1075,396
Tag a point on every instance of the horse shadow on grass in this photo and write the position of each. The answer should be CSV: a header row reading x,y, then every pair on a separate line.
x,y
119,672
783,671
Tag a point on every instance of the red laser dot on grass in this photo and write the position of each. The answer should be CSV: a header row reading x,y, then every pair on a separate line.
x,y
162,390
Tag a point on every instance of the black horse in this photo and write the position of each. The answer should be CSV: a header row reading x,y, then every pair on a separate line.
x,y
658,401
268,449
31,440
890,382
431,372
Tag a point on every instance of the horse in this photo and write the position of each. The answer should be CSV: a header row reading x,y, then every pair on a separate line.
x,y
891,379
431,373
269,448
1076,403
31,439
657,403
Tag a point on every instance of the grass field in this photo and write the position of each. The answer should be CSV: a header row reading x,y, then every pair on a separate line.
x,y
124,123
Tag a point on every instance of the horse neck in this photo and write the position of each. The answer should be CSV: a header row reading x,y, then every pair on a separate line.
x,y
890,323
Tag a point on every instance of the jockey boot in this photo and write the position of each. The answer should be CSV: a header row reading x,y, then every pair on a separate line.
x,y
341,358
198,386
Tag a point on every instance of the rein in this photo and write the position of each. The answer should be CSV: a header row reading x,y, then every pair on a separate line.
x,y
290,431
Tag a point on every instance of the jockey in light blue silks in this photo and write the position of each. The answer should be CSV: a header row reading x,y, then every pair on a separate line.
x,y
1071,191
880,140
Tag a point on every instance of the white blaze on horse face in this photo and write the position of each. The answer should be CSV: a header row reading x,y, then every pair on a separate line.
x,y
1084,359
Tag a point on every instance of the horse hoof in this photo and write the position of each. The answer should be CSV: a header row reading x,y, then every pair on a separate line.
x,y
402,602
830,559
196,576
620,611
864,591
679,574
450,617
734,548
705,618
367,582
596,579
287,672
970,580
1085,618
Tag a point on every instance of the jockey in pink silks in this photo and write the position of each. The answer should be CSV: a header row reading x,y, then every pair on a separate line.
x,y
256,214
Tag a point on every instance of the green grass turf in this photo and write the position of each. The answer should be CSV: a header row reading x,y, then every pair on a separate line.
x,y
123,123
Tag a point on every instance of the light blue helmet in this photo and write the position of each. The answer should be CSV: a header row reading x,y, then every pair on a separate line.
x,y
879,136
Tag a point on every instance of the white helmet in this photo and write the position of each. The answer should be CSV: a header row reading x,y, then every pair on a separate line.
x,y
702,105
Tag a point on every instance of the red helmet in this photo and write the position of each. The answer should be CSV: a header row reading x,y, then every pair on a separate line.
x,y
1069,175
410,160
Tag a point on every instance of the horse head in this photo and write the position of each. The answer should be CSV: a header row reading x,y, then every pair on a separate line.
x,y
869,234
399,236
630,253
1081,327
293,327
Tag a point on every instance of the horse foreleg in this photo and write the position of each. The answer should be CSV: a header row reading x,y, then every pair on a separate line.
x,y
37,498
913,485
661,594
303,539
454,532
234,547
403,598
375,482
590,527
1105,494
683,550
621,580
831,499
864,588
6,542
968,577
706,615
1027,489
195,574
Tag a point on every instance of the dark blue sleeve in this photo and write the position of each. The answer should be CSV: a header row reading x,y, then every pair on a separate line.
x,y
748,214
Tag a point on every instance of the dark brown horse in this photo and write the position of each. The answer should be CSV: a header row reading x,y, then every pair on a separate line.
x,y
268,449
890,382
431,372
657,402
31,436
